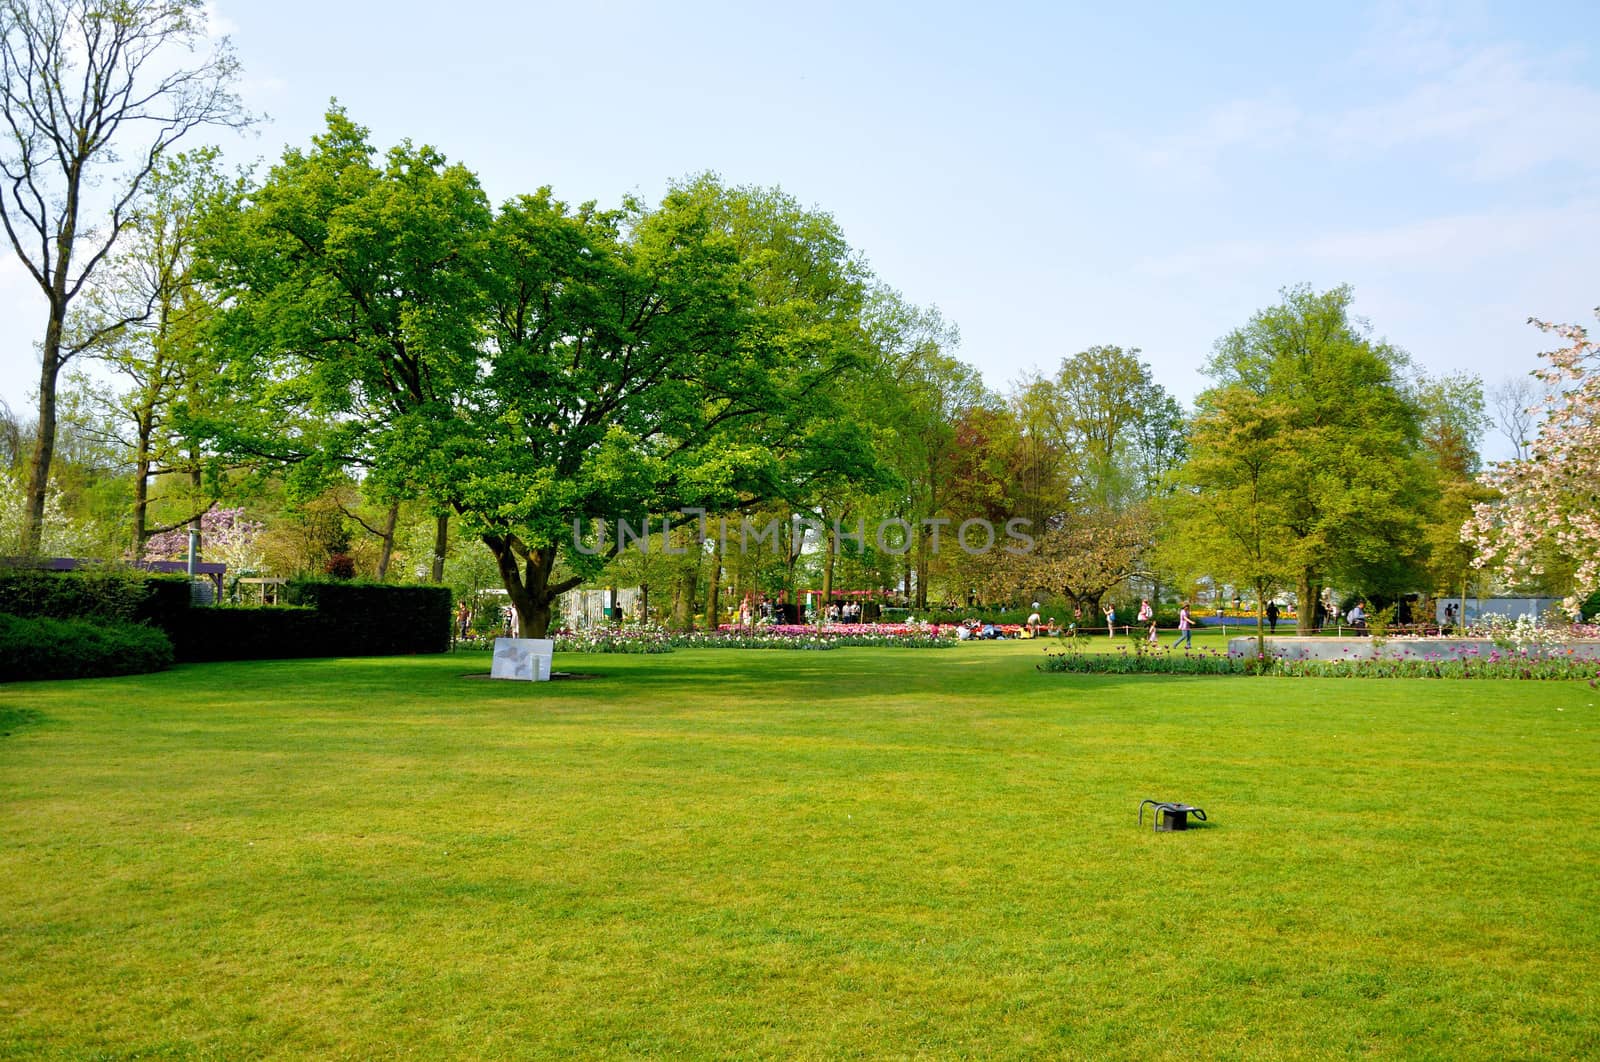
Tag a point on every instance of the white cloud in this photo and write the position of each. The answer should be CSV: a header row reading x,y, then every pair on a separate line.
x,y
1232,126
218,25
1434,245
1482,109
1499,115
1447,244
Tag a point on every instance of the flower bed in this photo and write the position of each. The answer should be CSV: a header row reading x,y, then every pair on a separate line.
x,y
806,630
1165,661
652,639
831,636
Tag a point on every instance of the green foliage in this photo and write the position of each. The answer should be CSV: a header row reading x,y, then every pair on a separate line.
x,y
538,366
108,593
44,648
1378,623
1316,450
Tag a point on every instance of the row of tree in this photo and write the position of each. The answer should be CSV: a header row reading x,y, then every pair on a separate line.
x,y
357,344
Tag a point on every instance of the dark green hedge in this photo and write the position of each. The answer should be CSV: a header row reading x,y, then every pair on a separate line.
x,y
45,648
326,619
114,594
373,619
339,619
206,635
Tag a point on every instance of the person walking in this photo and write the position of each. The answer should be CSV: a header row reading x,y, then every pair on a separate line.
x,y
1184,628
1111,621
1272,616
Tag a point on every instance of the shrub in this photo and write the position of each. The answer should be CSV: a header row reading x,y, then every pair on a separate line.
x,y
377,619
1590,607
340,566
100,592
45,648
265,633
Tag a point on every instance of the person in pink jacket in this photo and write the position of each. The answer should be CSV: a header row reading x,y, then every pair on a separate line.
x,y
1184,628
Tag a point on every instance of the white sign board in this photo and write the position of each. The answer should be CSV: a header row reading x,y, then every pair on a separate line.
x,y
522,658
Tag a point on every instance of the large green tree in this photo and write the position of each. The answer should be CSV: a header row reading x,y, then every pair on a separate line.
x,y
1352,489
533,369
1453,421
1230,514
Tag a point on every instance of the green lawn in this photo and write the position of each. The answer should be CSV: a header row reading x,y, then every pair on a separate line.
x,y
859,853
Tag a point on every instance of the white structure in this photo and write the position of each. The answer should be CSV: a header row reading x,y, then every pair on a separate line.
x,y
527,659
1510,607
586,608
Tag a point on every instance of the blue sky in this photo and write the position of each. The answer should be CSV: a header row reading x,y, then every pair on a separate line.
x,y
1051,176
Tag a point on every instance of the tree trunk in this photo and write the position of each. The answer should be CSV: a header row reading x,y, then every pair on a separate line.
x,y
441,539
921,599
388,540
714,594
1261,621
44,439
791,559
831,548
528,584
141,494
1309,594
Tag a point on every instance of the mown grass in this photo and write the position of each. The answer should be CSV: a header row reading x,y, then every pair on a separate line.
x,y
862,853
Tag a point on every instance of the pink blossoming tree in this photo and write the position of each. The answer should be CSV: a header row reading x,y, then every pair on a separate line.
x,y
225,535
1551,497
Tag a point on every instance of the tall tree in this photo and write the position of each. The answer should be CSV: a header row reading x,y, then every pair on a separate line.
x,y
531,370
1353,488
1515,399
1229,516
1453,421
932,390
1103,394
356,301
84,85
159,353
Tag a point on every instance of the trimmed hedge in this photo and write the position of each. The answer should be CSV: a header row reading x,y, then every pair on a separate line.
x,y
341,619
207,635
110,593
323,619
45,648
375,619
